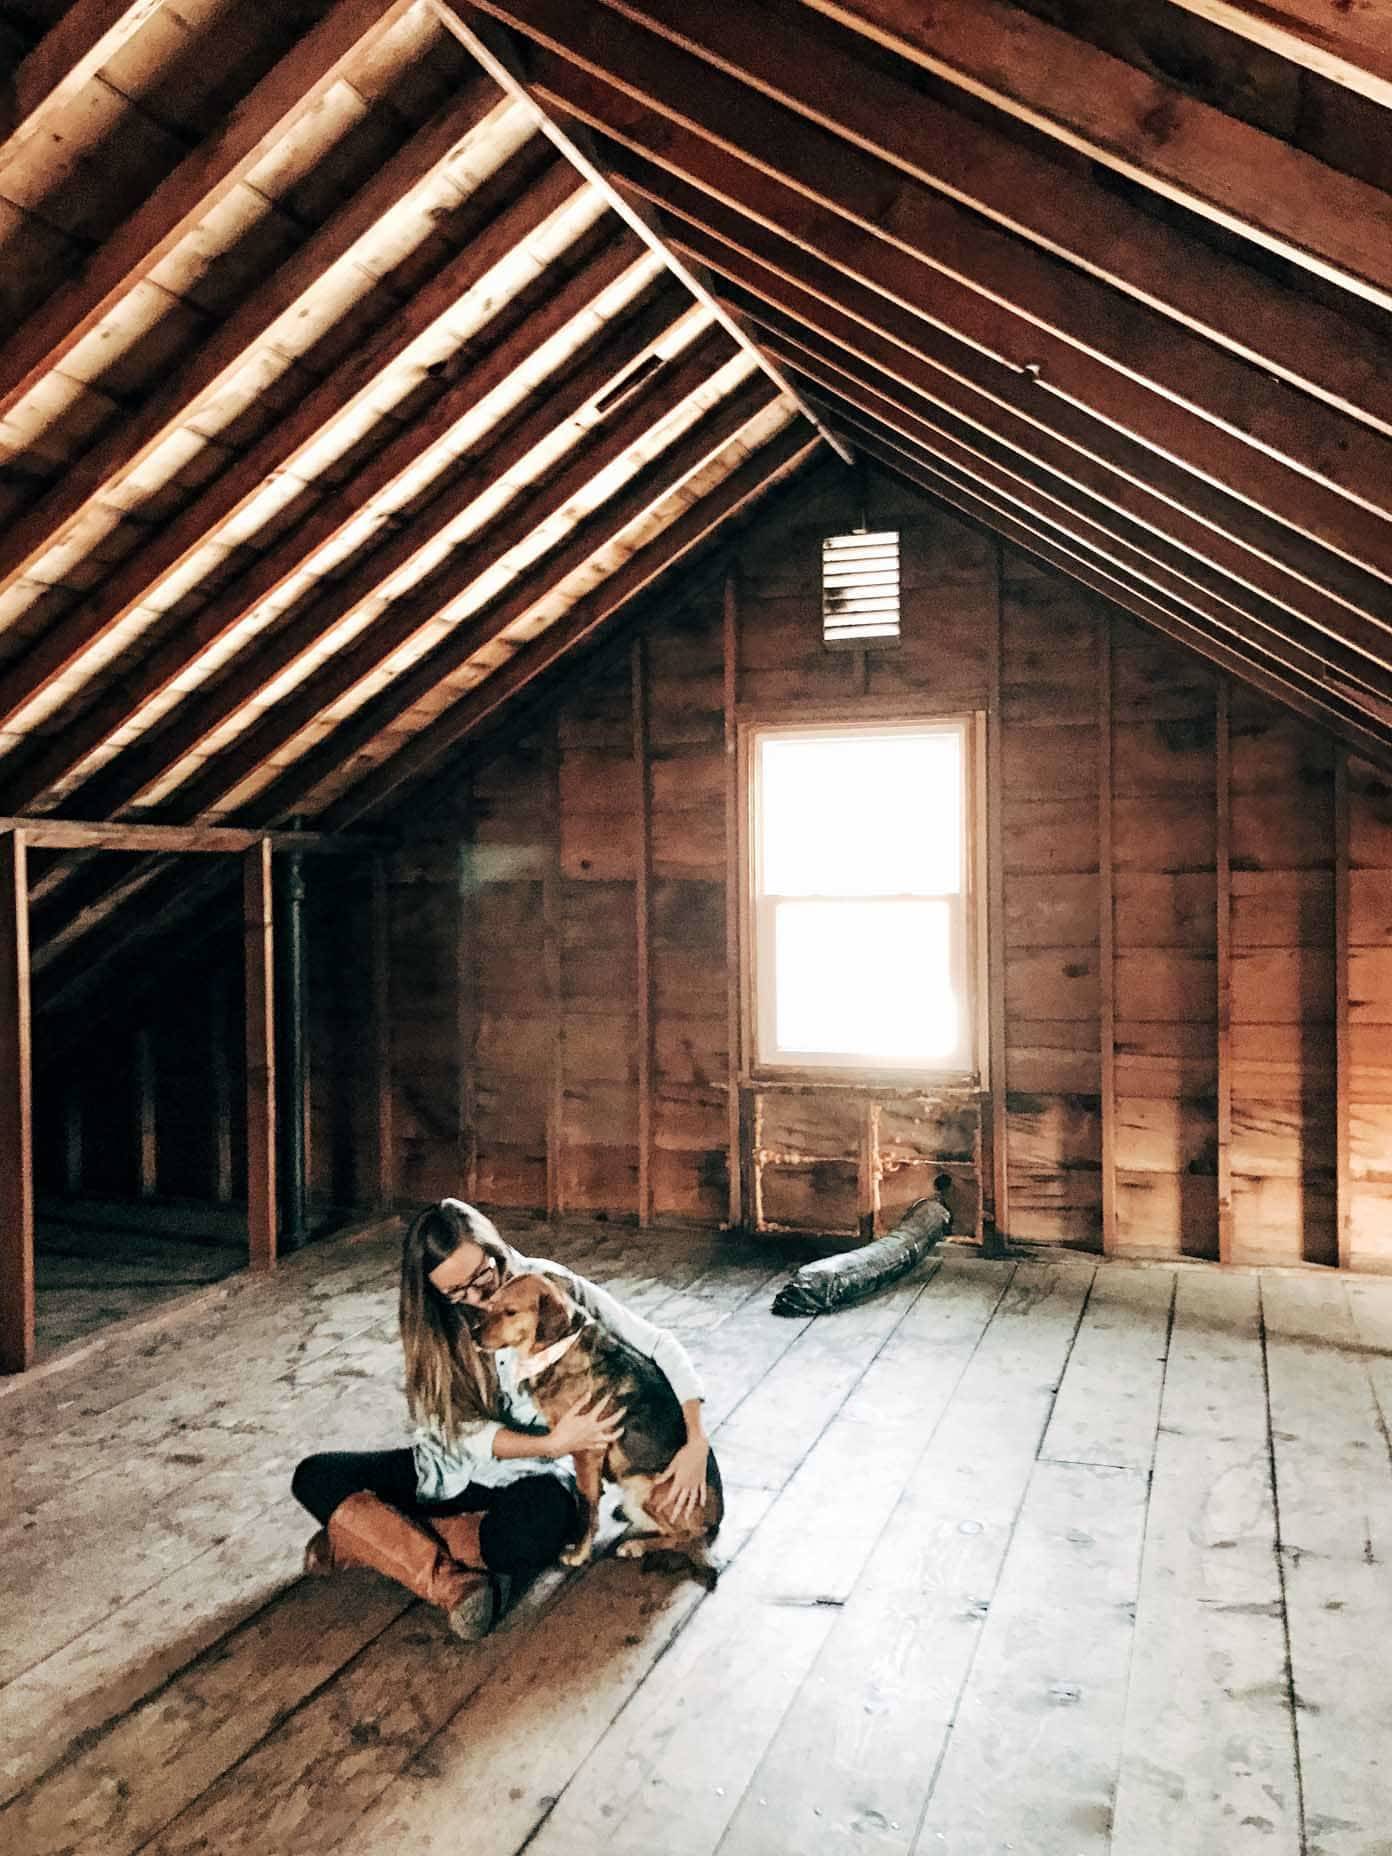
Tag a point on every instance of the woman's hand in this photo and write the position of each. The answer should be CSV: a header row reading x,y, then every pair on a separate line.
x,y
681,1490
586,1427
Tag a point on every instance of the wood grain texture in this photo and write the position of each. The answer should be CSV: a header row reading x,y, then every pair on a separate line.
x,y
16,1111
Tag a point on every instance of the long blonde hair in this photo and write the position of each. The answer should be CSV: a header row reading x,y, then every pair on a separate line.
x,y
449,1380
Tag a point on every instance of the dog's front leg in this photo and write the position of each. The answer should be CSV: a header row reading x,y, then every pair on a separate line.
x,y
589,1465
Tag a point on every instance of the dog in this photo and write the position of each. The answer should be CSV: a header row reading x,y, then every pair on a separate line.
x,y
567,1357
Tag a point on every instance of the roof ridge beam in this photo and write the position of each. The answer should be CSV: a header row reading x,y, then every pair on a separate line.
x,y
1238,176
497,56
287,92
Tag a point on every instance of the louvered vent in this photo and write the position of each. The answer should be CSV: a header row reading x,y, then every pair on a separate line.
x,y
860,589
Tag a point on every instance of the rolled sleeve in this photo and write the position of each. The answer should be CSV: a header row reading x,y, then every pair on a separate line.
x,y
444,1470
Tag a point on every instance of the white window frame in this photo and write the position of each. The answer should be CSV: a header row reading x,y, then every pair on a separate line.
x,y
765,1060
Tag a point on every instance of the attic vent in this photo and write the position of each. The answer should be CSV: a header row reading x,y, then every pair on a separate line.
x,y
860,589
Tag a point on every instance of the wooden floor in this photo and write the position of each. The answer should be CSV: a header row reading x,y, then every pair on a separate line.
x,y
1027,1556
90,1274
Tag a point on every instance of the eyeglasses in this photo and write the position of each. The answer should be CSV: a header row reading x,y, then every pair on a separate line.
x,y
461,1291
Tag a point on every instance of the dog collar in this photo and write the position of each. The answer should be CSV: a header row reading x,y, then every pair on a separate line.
x,y
537,1363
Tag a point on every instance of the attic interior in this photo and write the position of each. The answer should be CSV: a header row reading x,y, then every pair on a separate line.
x,y
696,624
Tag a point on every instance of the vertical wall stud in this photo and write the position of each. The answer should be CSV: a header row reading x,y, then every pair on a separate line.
x,y
147,1129
734,884
868,1185
16,1113
1343,1180
1106,935
642,904
383,1129
466,1000
72,1138
995,913
552,928
1223,948
262,1210
220,1081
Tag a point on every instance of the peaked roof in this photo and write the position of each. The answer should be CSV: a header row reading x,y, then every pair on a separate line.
x,y
362,357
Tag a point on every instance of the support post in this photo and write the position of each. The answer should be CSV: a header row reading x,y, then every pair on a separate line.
x,y
16,1114
995,917
642,905
147,1128
734,1065
292,1023
552,931
259,937
383,1121
1343,1139
1223,946
1106,936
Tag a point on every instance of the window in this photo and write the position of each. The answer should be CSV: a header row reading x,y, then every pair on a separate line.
x,y
860,589
860,893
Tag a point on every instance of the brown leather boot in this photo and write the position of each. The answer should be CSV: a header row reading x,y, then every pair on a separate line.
x,y
364,1531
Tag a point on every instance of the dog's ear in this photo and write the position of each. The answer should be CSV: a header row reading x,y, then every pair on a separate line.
x,y
553,1314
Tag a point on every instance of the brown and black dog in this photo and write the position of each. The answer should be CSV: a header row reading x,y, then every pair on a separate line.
x,y
534,1315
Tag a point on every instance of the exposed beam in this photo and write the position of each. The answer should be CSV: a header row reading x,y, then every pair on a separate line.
x,y
1245,613
1257,317
419,756
1111,543
808,286
66,834
305,628
1212,163
60,756
339,394
1349,43
498,59
16,1114
1084,340
647,492
204,178
86,37
404,621
1059,549
213,362
259,972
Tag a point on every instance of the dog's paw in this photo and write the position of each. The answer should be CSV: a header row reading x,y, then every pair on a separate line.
x,y
629,1550
578,1556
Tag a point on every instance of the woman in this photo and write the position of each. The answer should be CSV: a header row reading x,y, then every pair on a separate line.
x,y
479,1498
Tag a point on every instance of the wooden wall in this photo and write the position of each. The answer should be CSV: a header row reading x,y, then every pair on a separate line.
x,y
1176,1024
1191,975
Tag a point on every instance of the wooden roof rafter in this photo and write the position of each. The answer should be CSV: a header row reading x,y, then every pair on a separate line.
x,y
1077,337
796,286
1152,132
498,59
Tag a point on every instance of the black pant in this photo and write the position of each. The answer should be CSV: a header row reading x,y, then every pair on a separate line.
x,y
525,1523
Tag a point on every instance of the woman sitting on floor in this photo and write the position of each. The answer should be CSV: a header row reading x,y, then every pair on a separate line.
x,y
481,1497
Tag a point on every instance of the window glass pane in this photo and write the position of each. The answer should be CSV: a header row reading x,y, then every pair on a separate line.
x,y
866,815
865,980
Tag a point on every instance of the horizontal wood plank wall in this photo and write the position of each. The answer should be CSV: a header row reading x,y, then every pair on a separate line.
x,y
1282,985
1370,1017
812,1163
1052,981
1164,809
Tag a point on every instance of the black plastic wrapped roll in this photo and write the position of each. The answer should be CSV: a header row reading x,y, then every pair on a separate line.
x,y
837,1282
